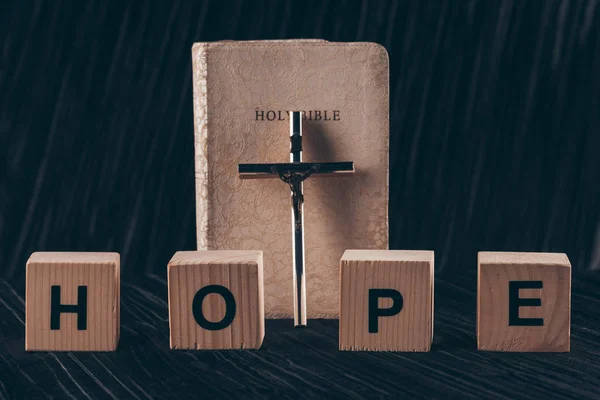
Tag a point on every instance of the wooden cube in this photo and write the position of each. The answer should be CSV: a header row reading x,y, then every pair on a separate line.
x,y
216,299
72,302
523,302
386,300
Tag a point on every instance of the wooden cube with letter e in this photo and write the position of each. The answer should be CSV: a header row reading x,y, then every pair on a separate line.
x,y
523,302
72,301
386,300
216,299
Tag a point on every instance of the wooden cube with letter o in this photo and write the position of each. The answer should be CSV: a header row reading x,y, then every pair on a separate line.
x,y
386,300
523,302
216,299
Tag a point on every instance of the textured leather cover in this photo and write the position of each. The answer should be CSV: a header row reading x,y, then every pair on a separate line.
x,y
233,83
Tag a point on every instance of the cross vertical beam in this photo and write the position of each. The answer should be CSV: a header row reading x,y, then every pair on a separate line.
x,y
299,275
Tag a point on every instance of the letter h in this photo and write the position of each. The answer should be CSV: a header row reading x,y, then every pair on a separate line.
x,y
56,308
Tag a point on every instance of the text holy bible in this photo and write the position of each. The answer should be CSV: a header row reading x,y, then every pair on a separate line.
x,y
243,92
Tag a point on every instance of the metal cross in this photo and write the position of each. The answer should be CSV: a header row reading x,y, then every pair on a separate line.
x,y
294,173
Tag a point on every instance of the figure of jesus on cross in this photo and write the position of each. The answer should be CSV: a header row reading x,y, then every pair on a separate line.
x,y
294,173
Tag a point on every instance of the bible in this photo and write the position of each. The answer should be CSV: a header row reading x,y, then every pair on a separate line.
x,y
243,92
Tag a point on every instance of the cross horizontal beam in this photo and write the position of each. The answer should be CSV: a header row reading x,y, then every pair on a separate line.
x,y
266,171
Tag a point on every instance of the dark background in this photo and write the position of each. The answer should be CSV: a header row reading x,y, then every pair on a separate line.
x,y
495,122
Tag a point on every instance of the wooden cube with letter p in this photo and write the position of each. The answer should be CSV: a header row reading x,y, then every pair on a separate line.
x,y
216,299
72,301
386,300
523,302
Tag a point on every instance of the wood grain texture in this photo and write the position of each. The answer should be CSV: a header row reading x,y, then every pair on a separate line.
x,y
100,274
239,271
496,270
408,272
301,362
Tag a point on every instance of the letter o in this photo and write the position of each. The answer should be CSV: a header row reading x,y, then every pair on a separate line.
x,y
230,307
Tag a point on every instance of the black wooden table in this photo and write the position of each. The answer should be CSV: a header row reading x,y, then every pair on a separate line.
x,y
301,363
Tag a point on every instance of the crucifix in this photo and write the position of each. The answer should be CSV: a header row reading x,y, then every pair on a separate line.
x,y
294,173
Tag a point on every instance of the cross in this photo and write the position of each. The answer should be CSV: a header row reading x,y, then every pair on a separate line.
x,y
294,173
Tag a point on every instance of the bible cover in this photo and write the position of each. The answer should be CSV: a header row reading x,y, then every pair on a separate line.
x,y
242,92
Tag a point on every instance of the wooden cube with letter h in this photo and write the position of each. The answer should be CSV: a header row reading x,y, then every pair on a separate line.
x,y
216,299
386,300
72,301
523,302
